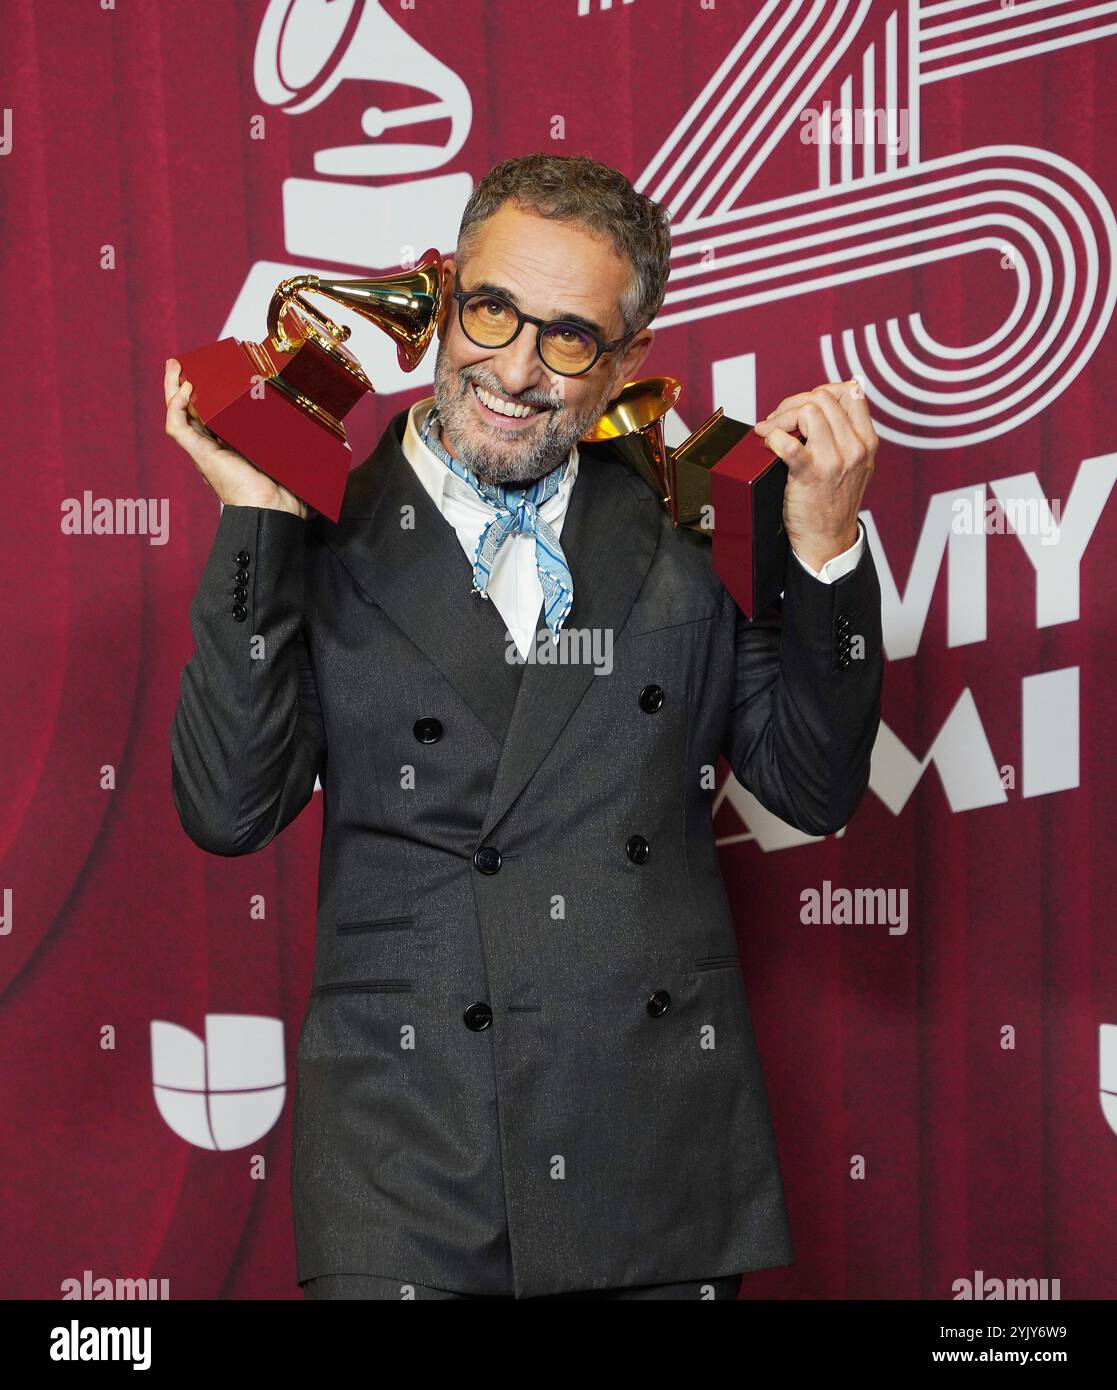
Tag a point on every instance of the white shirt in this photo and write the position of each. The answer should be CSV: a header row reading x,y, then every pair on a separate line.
x,y
514,582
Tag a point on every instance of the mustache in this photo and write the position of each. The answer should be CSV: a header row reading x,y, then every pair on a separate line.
x,y
529,398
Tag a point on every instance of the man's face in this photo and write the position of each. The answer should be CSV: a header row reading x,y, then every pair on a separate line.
x,y
549,269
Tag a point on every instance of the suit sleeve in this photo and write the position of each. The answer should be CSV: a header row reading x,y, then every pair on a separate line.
x,y
806,699
247,740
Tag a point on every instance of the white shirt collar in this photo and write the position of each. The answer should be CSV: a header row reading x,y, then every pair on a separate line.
x,y
443,483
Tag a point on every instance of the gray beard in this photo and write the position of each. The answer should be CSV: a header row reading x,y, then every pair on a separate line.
x,y
549,447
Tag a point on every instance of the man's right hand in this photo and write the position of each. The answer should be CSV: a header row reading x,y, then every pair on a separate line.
x,y
237,482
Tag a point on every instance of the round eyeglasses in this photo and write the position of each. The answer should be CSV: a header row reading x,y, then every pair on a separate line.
x,y
567,349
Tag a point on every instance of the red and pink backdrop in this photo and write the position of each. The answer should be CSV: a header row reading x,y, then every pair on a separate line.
x,y
944,1085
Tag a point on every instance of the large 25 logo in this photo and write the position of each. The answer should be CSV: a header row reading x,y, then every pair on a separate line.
x,y
1019,211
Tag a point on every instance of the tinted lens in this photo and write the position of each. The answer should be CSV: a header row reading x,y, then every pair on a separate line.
x,y
567,348
489,322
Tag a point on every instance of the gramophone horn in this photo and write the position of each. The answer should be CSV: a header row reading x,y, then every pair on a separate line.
x,y
636,416
406,306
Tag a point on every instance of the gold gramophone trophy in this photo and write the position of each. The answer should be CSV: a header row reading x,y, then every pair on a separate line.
x,y
298,405
633,424
723,471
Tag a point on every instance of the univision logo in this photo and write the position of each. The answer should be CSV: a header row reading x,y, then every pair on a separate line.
x,y
225,1092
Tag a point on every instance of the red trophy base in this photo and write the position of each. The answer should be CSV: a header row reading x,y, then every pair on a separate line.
x,y
236,397
750,544
728,468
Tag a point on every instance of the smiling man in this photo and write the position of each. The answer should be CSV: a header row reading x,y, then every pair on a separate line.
x,y
527,1067
516,419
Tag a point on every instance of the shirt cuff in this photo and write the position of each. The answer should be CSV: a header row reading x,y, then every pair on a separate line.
x,y
840,564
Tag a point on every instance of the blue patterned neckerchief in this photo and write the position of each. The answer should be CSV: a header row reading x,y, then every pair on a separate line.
x,y
517,509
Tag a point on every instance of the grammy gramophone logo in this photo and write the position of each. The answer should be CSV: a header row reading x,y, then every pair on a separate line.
x,y
341,216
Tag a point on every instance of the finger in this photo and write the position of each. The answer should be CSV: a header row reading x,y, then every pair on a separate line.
x,y
850,395
784,420
170,378
789,407
179,425
815,427
788,448
811,420
829,398
788,403
181,399
175,405
850,445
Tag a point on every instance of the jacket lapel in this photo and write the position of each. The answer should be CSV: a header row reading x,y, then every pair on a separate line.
x,y
422,579
411,564
609,536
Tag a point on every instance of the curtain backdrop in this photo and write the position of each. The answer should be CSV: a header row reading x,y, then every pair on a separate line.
x,y
943,1081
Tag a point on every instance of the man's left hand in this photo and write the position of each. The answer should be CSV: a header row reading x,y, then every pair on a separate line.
x,y
828,470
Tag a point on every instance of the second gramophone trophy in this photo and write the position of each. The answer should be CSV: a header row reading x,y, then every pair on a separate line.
x,y
298,405
723,481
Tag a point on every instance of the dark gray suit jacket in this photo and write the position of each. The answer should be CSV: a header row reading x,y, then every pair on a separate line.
x,y
532,1068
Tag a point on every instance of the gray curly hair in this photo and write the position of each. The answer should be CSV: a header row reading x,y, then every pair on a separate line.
x,y
575,188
